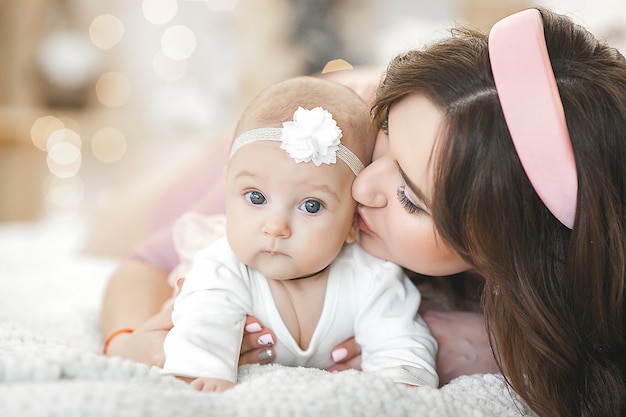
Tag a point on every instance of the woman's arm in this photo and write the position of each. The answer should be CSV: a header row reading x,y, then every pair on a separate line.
x,y
136,292
134,300
464,347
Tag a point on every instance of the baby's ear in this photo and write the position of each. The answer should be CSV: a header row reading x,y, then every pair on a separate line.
x,y
354,231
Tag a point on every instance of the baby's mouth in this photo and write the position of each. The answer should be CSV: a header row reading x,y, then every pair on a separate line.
x,y
272,252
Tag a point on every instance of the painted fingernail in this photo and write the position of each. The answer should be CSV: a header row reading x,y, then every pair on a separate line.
x,y
266,340
339,354
253,328
266,355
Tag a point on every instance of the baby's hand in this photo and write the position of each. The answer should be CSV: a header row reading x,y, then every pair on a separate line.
x,y
211,384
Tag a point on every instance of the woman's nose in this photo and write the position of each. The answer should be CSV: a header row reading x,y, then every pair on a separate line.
x,y
368,188
277,226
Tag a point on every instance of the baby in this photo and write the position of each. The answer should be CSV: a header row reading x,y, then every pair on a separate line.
x,y
289,257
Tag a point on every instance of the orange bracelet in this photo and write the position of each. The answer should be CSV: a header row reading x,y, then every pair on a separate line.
x,y
113,335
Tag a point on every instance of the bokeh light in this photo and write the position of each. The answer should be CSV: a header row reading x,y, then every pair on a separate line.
x,y
63,135
41,130
178,42
108,145
67,59
64,153
64,192
159,12
70,123
168,69
64,160
106,31
113,89
63,196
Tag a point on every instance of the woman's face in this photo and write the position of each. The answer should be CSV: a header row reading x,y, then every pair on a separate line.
x,y
394,193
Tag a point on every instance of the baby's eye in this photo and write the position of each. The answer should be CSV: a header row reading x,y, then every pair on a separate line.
x,y
255,197
312,206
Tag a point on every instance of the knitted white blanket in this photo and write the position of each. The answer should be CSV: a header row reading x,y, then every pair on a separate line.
x,y
50,365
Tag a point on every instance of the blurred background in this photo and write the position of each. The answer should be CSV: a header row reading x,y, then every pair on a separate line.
x,y
103,102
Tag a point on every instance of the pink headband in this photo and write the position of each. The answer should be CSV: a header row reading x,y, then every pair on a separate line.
x,y
533,110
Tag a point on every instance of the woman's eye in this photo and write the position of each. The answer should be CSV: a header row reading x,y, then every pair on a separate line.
x,y
407,203
312,206
255,197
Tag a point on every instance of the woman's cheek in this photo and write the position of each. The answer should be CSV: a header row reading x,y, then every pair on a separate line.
x,y
417,247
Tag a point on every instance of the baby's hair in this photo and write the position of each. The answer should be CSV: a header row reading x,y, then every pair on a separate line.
x,y
277,104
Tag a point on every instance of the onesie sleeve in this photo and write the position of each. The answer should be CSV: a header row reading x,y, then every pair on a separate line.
x,y
209,316
395,341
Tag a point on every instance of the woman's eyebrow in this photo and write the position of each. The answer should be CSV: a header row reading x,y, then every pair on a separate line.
x,y
413,187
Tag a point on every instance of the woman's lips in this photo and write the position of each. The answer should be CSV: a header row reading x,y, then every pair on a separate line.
x,y
363,226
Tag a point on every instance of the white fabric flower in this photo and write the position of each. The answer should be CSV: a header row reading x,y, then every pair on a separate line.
x,y
313,135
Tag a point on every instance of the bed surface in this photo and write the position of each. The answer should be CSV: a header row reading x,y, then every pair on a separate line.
x,y
50,363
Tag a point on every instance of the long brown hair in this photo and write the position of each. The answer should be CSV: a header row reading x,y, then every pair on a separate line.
x,y
554,298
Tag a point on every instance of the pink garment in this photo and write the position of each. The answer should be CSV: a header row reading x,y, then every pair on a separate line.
x,y
200,190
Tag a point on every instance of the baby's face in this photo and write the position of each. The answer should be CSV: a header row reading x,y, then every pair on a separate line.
x,y
287,219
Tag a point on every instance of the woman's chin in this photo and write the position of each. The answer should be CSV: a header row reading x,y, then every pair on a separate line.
x,y
434,267
372,245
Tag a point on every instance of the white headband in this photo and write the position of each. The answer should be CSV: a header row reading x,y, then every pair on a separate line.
x,y
312,136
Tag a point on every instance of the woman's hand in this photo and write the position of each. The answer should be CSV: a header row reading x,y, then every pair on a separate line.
x,y
346,355
464,347
145,343
257,343
361,80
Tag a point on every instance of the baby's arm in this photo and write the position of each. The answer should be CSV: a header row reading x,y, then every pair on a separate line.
x,y
395,341
209,317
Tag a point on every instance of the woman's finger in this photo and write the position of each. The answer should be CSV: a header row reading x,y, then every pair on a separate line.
x,y
346,355
346,351
353,363
261,356
256,346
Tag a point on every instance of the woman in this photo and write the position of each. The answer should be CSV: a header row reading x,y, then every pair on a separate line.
x,y
452,191
550,243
